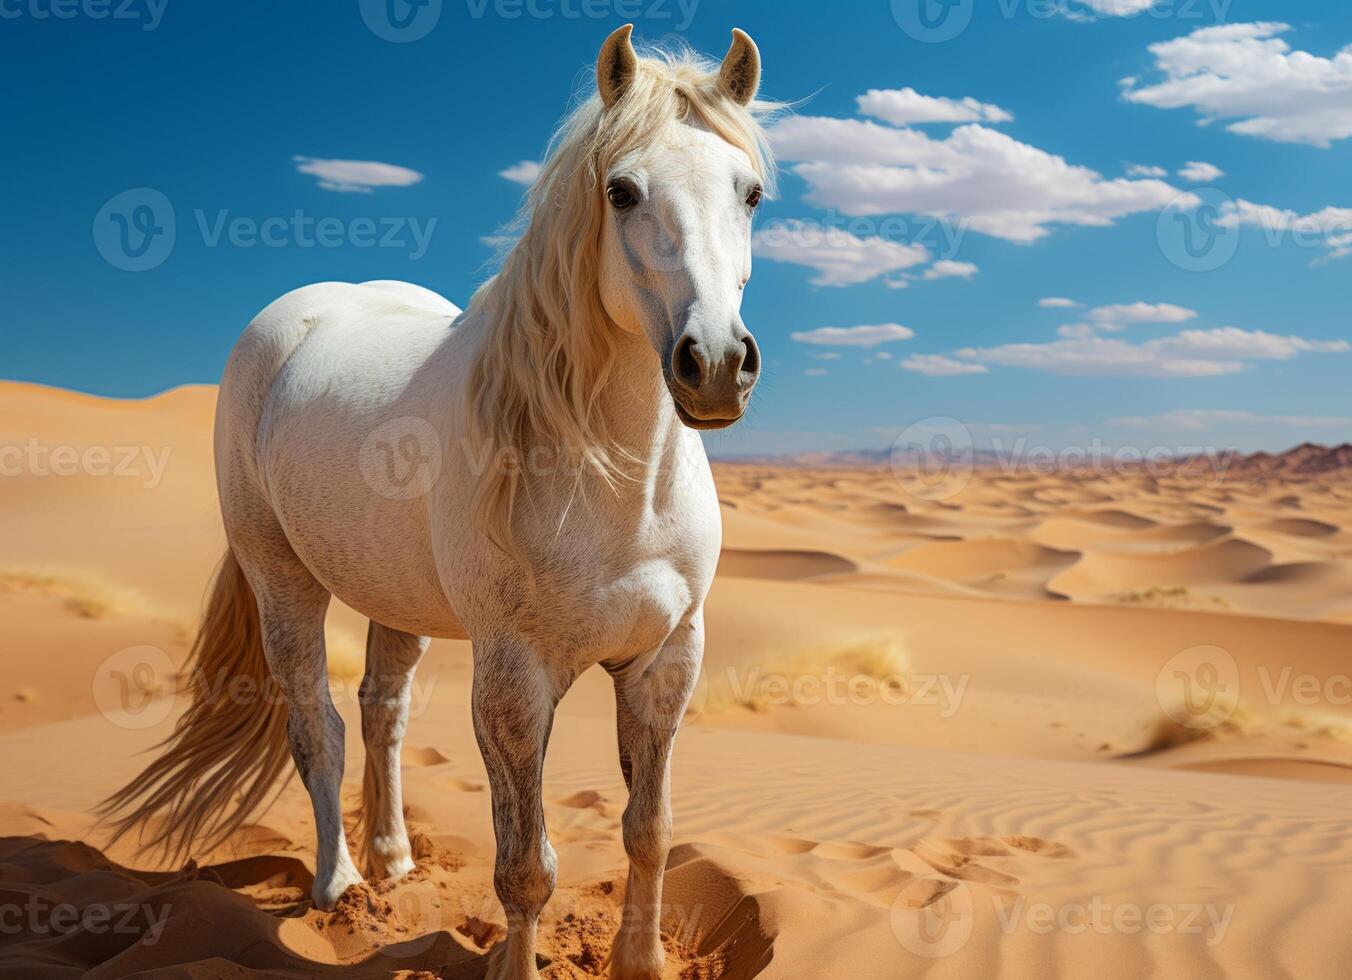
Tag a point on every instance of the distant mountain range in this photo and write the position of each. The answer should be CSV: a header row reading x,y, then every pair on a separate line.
x,y
1307,459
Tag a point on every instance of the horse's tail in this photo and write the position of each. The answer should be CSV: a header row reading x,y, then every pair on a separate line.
x,y
227,750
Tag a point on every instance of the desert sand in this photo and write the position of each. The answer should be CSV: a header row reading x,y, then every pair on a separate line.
x,y
1079,722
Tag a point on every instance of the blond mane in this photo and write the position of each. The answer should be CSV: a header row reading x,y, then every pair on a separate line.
x,y
549,344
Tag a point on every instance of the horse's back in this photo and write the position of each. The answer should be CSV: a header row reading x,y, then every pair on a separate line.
x,y
331,413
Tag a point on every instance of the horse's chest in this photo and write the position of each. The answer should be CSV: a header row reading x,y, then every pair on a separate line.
x,y
639,610
610,606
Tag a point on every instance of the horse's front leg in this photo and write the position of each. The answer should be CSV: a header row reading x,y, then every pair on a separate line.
x,y
513,703
650,702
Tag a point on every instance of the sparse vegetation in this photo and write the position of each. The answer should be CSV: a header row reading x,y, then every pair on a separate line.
x,y
881,661
1169,596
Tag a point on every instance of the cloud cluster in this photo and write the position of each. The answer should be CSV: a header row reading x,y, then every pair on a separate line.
x,y
863,336
1188,354
939,366
839,257
356,176
903,107
976,176
525,173
1120,315
1330,228
1118,8
1200,172
1248,73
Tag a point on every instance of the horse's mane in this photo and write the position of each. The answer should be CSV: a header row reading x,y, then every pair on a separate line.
x,y
548,344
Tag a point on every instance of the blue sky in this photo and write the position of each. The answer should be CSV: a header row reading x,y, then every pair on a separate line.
x,y
942,176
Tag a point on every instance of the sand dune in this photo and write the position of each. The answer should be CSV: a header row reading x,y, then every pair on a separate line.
x,y
925,729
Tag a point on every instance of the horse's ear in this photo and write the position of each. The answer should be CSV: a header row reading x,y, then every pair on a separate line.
x,y
741,71
616,65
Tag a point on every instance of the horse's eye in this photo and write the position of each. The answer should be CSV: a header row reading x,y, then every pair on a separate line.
x,y
621,197
754,198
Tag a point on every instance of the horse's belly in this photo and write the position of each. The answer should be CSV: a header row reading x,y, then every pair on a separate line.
x,y
350,442
381,567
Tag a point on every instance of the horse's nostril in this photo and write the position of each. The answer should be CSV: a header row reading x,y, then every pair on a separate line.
x,y
686,364
751,359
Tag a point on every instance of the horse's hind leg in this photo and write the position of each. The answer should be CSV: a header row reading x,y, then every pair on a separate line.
x,y
391,658
650,701
291,605
513,702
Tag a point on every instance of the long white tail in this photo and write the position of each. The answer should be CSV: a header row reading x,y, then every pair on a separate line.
x,y
227,750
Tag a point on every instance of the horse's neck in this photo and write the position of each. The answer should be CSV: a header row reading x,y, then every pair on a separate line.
x,y
636,406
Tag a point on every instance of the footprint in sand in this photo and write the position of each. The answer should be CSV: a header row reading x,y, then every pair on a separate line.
x,y
956,856
422,756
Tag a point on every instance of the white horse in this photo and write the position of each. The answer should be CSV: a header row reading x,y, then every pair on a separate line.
x,y
524,475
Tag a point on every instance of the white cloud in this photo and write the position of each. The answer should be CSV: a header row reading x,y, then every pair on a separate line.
x,y
865,336
1189,354
902,107
939,366
816,372
1330,228
976,176
1200,172
1120,315
1076,331
524,172
1118,8
1248,73
1141,170
947,268
828,355
1058,303
356,176
1199,420
840,258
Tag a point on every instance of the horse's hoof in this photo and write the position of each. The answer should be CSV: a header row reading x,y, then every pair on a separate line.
x,y
389,860
395,867
325,893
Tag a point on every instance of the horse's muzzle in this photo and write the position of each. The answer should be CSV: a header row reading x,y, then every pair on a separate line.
x,y
711,384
